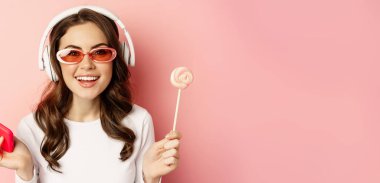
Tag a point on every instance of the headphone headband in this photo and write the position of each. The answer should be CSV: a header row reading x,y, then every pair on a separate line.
x,y
74,10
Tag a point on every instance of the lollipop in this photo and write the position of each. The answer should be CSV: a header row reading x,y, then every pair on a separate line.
x,y
181,78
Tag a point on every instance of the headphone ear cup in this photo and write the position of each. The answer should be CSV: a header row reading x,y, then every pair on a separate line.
x,y
125,53
47,65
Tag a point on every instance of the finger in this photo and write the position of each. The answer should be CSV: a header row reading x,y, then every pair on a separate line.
x,y
172,144
1,154
170,161
170,153
170,164
173,135
1,151
160,144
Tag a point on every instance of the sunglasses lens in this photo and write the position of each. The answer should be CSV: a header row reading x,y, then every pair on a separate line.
x,y
69,55
103,54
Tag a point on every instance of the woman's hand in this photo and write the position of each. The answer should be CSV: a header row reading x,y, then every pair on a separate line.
x,y
20,159
162,157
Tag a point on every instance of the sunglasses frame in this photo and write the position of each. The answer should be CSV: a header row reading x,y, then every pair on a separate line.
x,y
114,53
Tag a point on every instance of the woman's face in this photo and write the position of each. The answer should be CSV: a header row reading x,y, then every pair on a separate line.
x,y
85,37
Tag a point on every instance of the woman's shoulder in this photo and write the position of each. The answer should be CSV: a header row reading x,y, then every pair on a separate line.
x,y
29,132
137,116
138,112
28,121
28,124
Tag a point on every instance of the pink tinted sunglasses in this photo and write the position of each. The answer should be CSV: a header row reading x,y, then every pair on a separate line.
x,y
74,56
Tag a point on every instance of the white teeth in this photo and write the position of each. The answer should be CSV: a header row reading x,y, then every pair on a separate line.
x,y
86,78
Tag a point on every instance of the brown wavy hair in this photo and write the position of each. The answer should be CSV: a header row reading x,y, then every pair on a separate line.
x,y
115,100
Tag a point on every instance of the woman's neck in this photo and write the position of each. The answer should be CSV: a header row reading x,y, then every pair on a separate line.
x,y
84,110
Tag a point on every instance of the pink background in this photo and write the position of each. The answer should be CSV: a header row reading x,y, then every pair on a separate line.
x,y
284,91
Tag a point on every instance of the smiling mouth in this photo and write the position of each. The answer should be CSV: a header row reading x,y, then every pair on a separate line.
x,y
87,78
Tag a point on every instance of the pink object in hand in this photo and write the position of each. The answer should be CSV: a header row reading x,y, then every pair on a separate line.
x,y
7,134
181,77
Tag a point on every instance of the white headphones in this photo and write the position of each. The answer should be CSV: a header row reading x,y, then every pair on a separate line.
x,y
44,51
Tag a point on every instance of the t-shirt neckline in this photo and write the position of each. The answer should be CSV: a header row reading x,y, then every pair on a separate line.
x,y
96,121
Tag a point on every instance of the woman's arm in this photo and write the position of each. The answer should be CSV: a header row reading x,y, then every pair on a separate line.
x,y
147,139
156,159
162,157
20,160
28,172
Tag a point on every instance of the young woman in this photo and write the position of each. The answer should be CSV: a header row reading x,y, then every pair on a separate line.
x,y
86,127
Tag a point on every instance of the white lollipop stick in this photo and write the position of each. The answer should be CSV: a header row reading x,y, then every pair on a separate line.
x,y
181,78
176,109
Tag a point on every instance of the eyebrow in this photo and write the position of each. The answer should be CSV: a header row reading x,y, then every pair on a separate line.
x,y
77,47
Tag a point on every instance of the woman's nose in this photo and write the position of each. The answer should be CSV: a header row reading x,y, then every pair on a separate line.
x,y
87,63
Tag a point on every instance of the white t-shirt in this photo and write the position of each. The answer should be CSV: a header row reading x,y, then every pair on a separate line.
x,y
92,155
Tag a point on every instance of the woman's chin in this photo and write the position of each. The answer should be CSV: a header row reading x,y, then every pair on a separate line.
x,y
86,96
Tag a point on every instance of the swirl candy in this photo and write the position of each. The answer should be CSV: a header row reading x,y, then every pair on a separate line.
x,y
181,77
